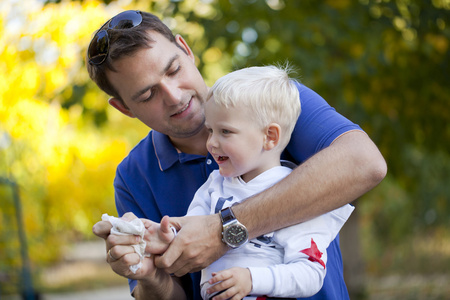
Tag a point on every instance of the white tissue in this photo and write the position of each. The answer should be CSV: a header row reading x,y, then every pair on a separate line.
x,y
134,227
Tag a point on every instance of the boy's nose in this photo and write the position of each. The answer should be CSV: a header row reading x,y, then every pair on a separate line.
x,y
211,143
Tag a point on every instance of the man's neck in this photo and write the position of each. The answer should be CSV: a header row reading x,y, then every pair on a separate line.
x,y
192,145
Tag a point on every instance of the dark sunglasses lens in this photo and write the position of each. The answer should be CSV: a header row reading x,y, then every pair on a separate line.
x,y
126,19
98,49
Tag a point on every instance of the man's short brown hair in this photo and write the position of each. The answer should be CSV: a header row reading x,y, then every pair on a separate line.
x,y
124,42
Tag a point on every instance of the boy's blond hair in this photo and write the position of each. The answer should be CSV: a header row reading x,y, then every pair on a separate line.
x,y
268,92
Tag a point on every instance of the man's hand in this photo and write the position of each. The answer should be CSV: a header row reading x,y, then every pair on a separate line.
x,y
120,253
197,245
102,229
153,283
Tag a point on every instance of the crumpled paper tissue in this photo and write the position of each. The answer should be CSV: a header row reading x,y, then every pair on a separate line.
x,y
134,227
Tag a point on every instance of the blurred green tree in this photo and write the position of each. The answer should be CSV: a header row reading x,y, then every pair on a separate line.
x,y
383,64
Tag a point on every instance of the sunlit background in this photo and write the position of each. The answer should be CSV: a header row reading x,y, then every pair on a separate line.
x,y
384,64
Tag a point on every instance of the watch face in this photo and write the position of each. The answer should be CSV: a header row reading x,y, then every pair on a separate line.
x,y
235,235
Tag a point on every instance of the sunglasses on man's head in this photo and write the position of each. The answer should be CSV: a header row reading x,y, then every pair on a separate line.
x,y
99,47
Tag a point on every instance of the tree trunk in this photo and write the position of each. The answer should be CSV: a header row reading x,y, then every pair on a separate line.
x,y
354,267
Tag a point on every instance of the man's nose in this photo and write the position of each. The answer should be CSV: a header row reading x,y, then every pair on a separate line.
x,y
172,93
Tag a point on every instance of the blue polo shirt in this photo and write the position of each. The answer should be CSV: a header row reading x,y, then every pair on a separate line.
x,y
155,180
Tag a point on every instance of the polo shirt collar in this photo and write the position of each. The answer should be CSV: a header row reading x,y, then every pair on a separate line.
x,y
167,154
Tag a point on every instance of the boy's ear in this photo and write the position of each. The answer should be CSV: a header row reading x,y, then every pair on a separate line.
x,y
272,138
120,106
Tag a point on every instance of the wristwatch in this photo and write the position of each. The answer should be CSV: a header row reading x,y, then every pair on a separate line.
x,y
234,234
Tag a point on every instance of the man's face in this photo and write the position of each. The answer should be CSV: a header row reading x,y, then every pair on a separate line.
x,y
162,87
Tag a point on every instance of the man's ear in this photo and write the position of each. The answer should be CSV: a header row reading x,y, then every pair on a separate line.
x,y
184,46
120,106
272,136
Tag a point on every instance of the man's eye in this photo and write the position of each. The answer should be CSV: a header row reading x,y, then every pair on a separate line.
x,y
175,71
147,99
150,97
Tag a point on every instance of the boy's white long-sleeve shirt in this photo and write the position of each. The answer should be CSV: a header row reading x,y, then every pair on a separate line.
x,y
282,263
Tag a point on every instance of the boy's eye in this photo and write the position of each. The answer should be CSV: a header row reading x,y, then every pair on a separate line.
x,y
225,131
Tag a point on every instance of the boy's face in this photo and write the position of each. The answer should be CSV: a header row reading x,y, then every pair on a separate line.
x,y
236,141
162,87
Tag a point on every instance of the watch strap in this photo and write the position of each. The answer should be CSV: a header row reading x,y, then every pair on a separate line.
x,y
226,215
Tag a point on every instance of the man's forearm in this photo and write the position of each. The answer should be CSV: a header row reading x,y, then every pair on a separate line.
x,y
335,176
168,288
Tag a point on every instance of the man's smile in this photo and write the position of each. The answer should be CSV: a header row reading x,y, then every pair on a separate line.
x,y
183,109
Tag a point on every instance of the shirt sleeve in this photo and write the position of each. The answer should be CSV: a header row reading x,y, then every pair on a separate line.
x,y
125,203
304,267
201,203
124,199
318,126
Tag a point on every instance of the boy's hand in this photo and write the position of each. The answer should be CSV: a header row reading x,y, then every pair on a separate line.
x,y
158,236
235,282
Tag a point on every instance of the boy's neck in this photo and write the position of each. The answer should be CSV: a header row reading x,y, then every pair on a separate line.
x,y
267,166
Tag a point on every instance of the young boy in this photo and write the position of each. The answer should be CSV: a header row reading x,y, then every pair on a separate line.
x,y
250,115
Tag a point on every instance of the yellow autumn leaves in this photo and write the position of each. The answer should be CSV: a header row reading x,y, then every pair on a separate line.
x,y
51,144
63,164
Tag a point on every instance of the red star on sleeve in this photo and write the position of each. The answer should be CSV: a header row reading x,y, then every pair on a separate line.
x,y
314,253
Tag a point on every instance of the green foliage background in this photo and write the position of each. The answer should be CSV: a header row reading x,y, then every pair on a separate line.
x,y
384,64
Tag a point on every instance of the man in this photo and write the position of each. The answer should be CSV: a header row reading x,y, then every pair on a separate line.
x,y
151,75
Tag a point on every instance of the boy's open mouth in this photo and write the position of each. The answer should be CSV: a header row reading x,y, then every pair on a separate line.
x,y
222,158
